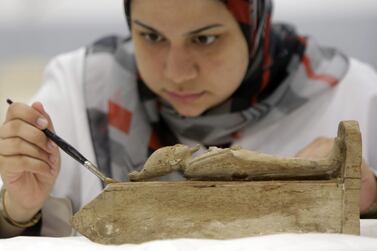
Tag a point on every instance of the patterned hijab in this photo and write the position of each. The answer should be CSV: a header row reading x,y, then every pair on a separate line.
x,y
129,122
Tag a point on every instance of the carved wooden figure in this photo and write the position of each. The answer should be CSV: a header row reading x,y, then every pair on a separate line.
x,y
231,193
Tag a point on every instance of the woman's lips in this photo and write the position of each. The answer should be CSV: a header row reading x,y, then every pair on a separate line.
x,y
185,97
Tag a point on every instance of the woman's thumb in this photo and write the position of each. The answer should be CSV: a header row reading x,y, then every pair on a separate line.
x,y
40,108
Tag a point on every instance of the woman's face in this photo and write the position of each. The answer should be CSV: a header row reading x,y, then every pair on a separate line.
x,y
189,52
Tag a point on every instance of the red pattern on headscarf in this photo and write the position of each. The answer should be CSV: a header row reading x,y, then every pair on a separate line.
x,y
119,117
330,79
240,10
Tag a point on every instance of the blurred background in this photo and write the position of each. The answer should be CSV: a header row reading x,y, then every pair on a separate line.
x,y
33,31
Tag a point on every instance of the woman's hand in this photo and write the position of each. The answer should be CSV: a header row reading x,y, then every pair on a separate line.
x,y
321,147
29,161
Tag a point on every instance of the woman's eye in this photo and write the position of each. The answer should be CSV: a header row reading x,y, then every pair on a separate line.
x,y
152,37
205,40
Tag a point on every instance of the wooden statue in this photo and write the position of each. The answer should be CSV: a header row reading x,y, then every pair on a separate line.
x,y
231,193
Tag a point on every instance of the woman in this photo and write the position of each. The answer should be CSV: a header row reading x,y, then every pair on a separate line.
x,y
214,73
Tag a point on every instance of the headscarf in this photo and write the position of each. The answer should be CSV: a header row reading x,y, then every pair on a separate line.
x,y
129,122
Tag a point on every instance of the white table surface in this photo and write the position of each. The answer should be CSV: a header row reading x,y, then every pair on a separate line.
x,y
282,242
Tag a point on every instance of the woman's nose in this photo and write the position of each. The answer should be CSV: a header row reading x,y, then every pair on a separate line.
x,y
180,66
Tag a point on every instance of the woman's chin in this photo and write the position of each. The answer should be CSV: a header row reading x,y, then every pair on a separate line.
x,y
189,111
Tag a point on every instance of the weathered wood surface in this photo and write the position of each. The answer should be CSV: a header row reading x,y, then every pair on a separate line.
x,y
236,164
144,211
139,212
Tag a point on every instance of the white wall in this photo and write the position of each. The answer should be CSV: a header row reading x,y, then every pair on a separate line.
x,y
32,31
44,28
350,25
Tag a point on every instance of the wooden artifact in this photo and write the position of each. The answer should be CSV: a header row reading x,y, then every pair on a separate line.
x,y
231,193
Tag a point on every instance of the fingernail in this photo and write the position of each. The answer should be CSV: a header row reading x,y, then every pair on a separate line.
x,y
42,123
51,145
43,109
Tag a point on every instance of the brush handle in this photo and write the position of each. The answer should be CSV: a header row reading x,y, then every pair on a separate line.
x,y
66,147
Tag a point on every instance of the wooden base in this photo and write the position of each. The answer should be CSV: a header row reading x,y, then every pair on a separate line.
x,y
139,212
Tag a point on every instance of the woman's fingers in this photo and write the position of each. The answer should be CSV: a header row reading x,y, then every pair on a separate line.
x,y
317,149
368,190
18,128
19,111
23,145
39,107
14,166
55,157
17,147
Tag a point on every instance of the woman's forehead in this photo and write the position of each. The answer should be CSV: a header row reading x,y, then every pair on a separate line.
x,y
182,14
242,10
177,7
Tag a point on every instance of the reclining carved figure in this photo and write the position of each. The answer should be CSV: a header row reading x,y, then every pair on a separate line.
x,y
236,164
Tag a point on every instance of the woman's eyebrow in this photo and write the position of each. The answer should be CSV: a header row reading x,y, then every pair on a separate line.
x,y
211,26
196,31
145,26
